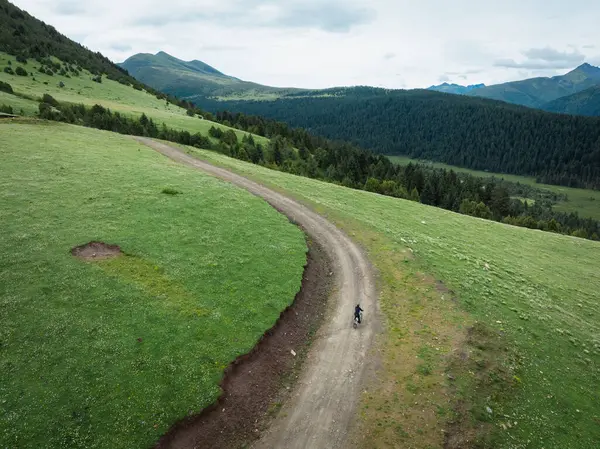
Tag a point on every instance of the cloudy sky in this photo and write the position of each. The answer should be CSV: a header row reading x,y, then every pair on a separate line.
x,y
323,43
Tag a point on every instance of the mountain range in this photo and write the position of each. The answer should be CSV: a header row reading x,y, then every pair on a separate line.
x,y
455,88
576,92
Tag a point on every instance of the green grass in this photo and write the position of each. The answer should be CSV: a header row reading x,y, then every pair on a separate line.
x,y
541,291
29,107
585,202
110,94
109,354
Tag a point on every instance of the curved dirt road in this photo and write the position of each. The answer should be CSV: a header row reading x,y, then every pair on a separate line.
x,y
322,406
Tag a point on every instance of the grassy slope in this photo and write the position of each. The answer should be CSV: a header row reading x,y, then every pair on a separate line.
x,y
209,271
541,291
585,202
28,107
110,94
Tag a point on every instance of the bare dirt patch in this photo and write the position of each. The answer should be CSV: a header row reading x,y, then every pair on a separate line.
x,y
96,251
256,384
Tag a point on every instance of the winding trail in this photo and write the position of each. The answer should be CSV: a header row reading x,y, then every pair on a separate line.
x,y
321,408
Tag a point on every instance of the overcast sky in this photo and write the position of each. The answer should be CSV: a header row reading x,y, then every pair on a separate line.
x,y
324,43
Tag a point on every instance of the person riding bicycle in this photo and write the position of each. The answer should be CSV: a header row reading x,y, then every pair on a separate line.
x,y
357,311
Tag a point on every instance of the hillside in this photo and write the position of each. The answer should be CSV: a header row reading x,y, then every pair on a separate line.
x,y
56,65
535,92
455,88
96,353
27,92
540,291
193,79
459,130
586,102
25,36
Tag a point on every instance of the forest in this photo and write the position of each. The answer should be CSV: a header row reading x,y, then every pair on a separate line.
x,y
468,132
297,151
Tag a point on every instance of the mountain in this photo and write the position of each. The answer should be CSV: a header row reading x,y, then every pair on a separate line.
x,y
536,92
586,102
455,88
193,79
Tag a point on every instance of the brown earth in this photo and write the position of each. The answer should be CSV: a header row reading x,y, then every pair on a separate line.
x,y
322,405
96,251
256,384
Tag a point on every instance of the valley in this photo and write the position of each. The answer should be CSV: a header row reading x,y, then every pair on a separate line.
x,y
183,250
584,202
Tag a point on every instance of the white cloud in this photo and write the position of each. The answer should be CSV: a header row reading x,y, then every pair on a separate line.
x,y
544,58
321,43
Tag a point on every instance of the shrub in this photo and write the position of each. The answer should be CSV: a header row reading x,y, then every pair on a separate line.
x,y
21,71
49,99
217,133
97,79
171,191
9,70
46,111
6,109
5,87
22,59
61,84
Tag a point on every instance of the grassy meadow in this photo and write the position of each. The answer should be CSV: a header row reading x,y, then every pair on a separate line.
x,y
110,353
583,201
109,94
536,292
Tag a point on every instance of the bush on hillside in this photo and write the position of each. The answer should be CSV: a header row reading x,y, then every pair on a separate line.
x,y
217,133
9,70
171,191
21,71
7,109
5,87
49,99
22,59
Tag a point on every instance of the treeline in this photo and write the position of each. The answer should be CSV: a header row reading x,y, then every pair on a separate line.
x,y
100,117
296,151
458,130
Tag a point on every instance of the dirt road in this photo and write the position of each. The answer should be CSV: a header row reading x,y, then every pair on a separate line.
x,y
322,407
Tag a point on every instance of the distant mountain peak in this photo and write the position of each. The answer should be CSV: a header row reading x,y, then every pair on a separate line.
x,y
164,59
589,70
455,88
